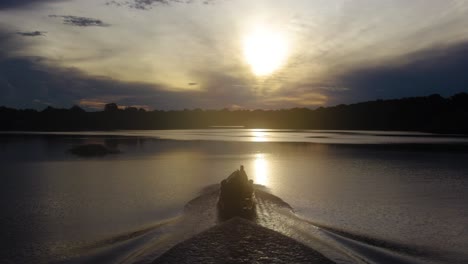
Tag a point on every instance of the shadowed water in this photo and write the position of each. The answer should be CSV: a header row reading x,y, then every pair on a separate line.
x,y
354,203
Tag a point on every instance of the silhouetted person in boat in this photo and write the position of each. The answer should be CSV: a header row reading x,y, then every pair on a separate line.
x,y
243,175
236,196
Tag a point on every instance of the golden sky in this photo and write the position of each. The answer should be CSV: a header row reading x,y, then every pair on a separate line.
x,y
243,53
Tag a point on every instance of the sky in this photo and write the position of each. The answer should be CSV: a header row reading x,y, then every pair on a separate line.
x,y
236,54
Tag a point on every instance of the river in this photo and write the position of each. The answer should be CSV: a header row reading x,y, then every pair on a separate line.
x,y
375,197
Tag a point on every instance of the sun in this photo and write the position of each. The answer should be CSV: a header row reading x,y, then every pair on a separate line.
x,y
265,50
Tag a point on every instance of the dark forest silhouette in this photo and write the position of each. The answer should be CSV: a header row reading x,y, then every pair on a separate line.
x,y
431,113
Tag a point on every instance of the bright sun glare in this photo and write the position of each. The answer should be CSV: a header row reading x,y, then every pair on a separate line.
x,y
259,135
265,50
261,170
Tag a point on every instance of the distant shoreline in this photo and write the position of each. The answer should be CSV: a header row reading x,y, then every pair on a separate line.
x,y
433,114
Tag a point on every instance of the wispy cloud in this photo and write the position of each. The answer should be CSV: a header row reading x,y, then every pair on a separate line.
x,y
98,104
140,4
32,33
92,103
81,21
148,4
305,100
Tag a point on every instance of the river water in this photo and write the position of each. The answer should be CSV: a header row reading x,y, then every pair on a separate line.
x,y
356,197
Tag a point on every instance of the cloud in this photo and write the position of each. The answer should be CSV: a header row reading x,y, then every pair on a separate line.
x,y
9,42
141,4
439,69
92,103
7,4
97,104
26,82
32,33
148,4
81,21
192,58
294,98
235,107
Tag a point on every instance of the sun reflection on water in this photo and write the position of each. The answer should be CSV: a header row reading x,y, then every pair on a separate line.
x,y
259,136
261,170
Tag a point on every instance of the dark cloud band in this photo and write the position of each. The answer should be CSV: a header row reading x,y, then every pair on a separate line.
x,y
148,4
437,70
32,33
81,21
6,4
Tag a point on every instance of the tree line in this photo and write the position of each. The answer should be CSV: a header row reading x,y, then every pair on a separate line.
x,y
432,113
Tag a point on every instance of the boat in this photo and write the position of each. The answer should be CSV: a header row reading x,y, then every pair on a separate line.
x,y
237,196
241,241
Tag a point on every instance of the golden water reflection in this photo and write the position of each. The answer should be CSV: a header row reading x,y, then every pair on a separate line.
x,y
261,170
259,135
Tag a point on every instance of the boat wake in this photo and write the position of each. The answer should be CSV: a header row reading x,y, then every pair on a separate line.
x,y
148,243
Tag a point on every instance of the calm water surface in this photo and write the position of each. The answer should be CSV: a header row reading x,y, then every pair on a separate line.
x,y
356,196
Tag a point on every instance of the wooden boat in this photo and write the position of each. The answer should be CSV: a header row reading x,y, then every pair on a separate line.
x,y
241,241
